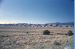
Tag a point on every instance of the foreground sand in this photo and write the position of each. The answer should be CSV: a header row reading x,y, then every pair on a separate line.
x,y
33,38
24,40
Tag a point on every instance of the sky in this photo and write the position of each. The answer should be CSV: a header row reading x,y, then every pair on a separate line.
x,y
36,11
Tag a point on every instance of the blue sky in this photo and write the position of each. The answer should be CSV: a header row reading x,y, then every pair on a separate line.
x,y
36,11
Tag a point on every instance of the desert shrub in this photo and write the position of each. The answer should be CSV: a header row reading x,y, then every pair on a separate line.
x,y
67,26
4,35
71,26
27,32
51,25
57,43
70,33
46,32
60,34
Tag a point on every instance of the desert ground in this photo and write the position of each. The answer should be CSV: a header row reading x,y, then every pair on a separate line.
x,y
33,38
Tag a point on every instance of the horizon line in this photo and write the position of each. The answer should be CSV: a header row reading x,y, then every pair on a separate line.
x,y
31,23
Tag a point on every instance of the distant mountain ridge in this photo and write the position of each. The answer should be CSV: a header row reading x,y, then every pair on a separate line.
x,y
71,24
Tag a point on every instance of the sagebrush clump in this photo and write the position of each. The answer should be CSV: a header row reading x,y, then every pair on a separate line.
x,y
46,32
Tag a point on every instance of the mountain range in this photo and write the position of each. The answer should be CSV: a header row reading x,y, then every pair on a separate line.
x,y
71,24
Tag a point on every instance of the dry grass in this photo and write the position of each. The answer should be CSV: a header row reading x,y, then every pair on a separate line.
x,y
33,38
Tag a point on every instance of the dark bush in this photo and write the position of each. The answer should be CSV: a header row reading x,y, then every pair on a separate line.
x,y
70,33
46,32
51,25
57,43
67,26
27,32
